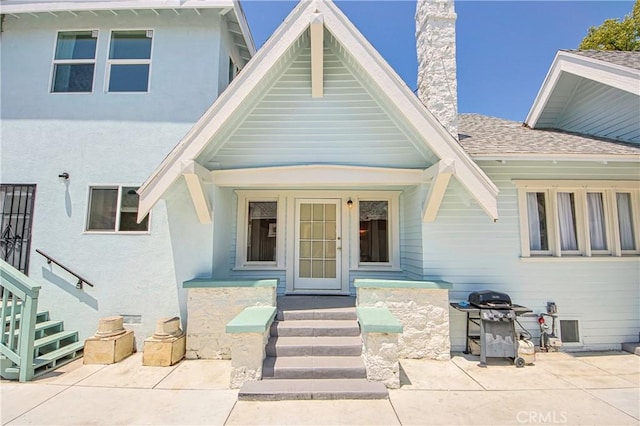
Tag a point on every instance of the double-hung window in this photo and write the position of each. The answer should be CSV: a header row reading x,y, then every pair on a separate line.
x,y
129,61
74,62
114,209
579,218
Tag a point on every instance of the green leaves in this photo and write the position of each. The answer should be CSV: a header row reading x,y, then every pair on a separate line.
x,y
615,34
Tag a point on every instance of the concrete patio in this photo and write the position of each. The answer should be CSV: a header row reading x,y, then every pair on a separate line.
x,y
583,388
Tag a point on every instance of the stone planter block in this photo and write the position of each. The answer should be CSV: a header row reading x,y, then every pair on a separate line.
x,y
163,353
167,345
108,350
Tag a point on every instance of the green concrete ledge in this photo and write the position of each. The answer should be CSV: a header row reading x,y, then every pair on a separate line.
x,y
373,283
378,320
211,283
254,319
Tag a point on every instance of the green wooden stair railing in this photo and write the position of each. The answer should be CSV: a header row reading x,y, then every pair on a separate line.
x,y
19,305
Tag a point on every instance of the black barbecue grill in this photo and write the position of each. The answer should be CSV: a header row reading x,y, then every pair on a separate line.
x,y
495,314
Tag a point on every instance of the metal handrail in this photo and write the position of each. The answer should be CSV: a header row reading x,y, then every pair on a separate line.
x,y
50,259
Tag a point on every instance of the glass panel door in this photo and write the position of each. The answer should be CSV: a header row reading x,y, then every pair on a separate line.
x,y
318,245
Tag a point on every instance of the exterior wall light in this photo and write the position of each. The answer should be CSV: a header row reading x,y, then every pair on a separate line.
x,y
64,176
350,203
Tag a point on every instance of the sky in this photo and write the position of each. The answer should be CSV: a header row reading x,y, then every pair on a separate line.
x,y
504,48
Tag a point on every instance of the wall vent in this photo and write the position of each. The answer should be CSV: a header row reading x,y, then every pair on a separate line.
x,y
131,319
569,331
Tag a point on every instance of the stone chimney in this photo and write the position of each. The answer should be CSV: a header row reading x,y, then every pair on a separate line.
x,y
436,44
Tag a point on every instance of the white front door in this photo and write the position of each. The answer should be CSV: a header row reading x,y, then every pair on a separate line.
x,y
318,245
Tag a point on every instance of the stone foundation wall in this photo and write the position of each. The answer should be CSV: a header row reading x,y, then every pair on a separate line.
x,y
209,311
424,314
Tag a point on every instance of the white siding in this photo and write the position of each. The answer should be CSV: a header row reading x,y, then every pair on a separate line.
x,y
411,233
464,247
588,107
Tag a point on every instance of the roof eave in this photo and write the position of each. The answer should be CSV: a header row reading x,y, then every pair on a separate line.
x,y
614,75
600,158
18,7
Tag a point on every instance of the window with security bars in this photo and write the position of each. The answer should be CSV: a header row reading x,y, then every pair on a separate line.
x,y
16,207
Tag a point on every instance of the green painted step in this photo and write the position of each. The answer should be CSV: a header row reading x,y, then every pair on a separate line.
x,y
50,361
41,327
63,335
70,350
40,317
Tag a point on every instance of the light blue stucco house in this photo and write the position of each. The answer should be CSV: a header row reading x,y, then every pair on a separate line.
x,y
316,166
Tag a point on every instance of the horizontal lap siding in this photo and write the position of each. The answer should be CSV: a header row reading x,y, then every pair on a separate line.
x,y
410,233
463,246
345,126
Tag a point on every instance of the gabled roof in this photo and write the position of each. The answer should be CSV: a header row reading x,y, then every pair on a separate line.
x,y
625,59
231,9
593,93
485,137
269,62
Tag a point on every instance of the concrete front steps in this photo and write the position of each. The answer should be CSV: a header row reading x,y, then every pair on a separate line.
x,y
314,353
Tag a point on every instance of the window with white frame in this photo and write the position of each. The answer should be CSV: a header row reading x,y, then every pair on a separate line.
x,y
258,242
374,231
378,231
129,61
579,218
114,209
74,62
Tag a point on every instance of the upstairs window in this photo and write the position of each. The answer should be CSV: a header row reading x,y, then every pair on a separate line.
x,y
129,61
74,62
114,209
579,218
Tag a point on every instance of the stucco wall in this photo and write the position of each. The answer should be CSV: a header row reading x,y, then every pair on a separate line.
x,y
102,139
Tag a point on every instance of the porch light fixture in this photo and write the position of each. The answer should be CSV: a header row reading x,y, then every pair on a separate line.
x,y
63,176
350,203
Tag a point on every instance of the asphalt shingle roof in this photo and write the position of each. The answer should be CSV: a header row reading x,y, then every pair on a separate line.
x,y
625,59
481,135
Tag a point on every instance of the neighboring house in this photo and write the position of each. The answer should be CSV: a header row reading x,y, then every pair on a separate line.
x,y
318,166
102,90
